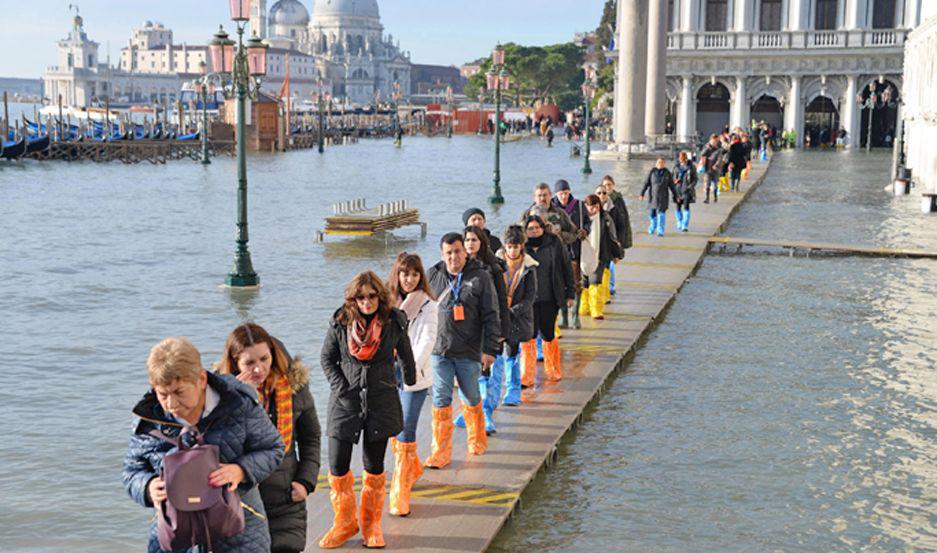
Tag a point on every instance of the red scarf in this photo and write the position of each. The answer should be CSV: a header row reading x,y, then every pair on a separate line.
x,y
363,342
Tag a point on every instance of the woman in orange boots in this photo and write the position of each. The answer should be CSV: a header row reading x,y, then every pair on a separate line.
x,y
365,337
410,289
555,289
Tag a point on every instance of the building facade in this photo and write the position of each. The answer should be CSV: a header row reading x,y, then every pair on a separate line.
x,y
802,65
920,101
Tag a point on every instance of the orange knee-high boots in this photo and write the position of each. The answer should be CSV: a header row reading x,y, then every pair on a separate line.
x,y
476,437
344,523
528,363
552,360
372,507
407,470
442,438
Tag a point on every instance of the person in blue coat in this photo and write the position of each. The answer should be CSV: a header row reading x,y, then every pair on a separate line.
x,y
228,415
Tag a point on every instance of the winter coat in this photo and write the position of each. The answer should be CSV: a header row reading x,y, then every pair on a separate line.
x,y
659,182
522,303
422,333
737,155
711,157
497,278
243,434
493,241
364,394
609,247
686,178
561,222
580,219
554,271
287,518
480,330
619,214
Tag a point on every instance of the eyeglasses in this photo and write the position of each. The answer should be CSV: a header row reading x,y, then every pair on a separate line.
x,y
602,193
372,296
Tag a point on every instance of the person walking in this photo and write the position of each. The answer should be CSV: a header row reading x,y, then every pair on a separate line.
x,y
475,217
185,400
557,218
467,342
658,183
409,288
710,160
737,161
520,278
574,209
614,204
554,290
259,360
684,176
489,386
603,240
366,337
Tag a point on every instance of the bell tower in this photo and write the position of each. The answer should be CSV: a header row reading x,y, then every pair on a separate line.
x,y
258,22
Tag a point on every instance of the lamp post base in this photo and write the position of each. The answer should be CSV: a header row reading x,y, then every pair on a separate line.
x,y
587,170
496,197
235,280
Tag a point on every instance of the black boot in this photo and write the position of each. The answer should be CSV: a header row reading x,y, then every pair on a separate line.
x,y
564,318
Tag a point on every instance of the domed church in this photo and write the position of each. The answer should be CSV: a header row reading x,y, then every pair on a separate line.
x,y
346,40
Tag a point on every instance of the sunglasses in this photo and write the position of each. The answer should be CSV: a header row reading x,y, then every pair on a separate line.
x,y
602,193
362,297
534,227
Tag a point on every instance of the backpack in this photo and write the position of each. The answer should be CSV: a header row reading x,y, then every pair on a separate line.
x,y
195,512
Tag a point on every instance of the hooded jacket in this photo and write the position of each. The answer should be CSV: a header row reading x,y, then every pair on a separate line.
x,y
619,214
364,394
422,333
521,311
479,332
554,271
659,182
609,247
580,220
686,183
244,436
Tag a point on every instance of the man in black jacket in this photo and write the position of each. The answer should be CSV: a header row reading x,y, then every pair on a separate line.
x,y
467,340
474,216
657,185
710,157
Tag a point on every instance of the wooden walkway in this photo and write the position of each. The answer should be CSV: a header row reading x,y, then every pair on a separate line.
x,y
463,507
724,243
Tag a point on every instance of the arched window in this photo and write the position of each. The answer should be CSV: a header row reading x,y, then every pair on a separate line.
x,y
826,15
770,17
883,14
717,12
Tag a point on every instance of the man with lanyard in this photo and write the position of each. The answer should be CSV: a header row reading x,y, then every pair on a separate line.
x,y
467,341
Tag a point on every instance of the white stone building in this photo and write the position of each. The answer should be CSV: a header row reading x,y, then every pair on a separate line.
x,y
920,99
343,43
796,64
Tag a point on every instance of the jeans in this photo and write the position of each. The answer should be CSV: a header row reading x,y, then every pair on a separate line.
x,y
412,404
446,370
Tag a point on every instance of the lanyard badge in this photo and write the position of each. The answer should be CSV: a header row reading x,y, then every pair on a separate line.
x,y
458,310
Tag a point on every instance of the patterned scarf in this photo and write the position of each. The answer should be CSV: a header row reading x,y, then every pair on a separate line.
x,y
363,342
512,277
279,388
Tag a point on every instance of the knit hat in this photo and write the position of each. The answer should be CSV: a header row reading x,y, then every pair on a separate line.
x,y
560,185
472,211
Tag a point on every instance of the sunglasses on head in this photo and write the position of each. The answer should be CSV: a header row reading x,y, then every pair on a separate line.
x,y
371,296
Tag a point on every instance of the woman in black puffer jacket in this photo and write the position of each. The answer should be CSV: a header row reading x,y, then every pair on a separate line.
x,y
262,362
555,290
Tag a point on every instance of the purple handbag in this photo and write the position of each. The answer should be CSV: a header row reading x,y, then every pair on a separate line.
x,y
195,512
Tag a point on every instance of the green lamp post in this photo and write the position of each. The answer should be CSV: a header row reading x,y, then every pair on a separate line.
x,y
245,67
449,108
204,86
497,80
395,96
588,93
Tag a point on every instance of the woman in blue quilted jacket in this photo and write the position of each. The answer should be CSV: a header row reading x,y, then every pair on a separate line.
x,y
227,413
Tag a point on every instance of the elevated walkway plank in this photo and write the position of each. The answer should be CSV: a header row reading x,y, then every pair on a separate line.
x,y
463,507
808,247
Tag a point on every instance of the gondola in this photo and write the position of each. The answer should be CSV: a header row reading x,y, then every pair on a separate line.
x,y
38,144
190,136
14,150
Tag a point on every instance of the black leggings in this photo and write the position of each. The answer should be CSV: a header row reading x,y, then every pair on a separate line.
x,y
372,453
545,319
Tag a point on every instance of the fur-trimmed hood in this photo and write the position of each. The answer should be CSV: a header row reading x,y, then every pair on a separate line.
x,y
297,373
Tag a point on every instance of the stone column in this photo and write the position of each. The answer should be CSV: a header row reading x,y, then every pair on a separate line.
x,y
740,110
656,97
794,110
689,16
744,10
630,82
796,17
686,119
851,120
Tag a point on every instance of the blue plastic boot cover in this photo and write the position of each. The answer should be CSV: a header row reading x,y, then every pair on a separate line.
x,y
512,366
661,220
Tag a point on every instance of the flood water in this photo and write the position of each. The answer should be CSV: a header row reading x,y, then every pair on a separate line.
x,y
782,404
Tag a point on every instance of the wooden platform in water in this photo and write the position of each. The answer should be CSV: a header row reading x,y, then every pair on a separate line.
x,y
464,506
793,246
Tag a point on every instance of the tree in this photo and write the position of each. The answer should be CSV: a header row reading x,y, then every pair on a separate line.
x,y
603,34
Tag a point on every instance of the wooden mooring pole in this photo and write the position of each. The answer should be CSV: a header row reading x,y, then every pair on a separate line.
x,y
6,117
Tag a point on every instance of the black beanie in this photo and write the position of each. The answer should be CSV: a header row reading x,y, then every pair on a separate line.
x,y
560,185
472,211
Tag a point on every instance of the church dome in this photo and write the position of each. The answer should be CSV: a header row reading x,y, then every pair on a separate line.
x,y
339,8
289,13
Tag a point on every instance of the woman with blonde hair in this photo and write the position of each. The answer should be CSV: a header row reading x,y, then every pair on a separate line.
x,y
410,292
261,361
365,338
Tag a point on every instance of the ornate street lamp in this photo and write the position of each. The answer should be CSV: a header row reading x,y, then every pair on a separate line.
x,y
588,93
481,105
395,96
497,80
319,97
873,102
203,87
241,72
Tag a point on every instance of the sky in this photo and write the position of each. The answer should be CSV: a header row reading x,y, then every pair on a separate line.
x,y
439,32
